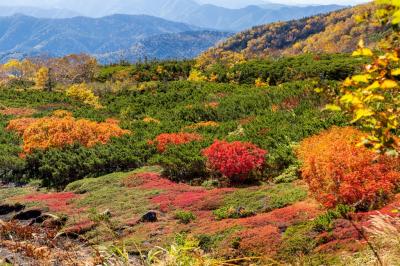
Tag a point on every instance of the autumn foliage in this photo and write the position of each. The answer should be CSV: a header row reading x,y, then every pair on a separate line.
x,y
236,159
163,140
340,172
61,130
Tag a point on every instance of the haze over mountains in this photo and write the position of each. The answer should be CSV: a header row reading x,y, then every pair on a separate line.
x,y
22,35
245,15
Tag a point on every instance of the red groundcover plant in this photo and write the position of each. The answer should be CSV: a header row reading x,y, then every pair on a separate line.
x,y
235,160
340,172
163,140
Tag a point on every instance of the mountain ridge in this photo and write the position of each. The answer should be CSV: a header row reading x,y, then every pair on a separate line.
x,y
191,12
21,36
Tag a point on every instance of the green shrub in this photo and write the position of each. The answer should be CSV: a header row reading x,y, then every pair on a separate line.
x,y
324,222
182,162
247,202
289,175
297,241
59,167
185,217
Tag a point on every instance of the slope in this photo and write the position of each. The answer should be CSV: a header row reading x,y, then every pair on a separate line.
x,y
332,33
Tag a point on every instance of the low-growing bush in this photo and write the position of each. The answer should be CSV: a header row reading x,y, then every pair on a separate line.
x,y
164,140
185,217
340,172
59,167
62,129
236,160
182,162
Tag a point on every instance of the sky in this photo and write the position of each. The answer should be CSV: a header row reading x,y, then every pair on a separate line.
x,y
302,2
226,3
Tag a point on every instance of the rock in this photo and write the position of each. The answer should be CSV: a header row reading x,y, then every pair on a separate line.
x,y
49,220
106,213
7,208
149,217
27,215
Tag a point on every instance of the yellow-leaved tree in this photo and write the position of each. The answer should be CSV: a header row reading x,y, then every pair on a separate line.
x,y
42,79
372,98
82,92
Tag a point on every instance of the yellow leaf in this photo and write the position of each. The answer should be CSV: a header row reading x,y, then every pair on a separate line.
x,y
361,113
396,72
332,107
389,84
373,86
350,99
361,78
396,17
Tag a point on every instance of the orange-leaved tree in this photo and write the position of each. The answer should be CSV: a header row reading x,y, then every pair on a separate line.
x,y
340,172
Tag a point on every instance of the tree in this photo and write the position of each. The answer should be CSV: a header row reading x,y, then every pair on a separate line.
x,y
82,92
373,97
42,79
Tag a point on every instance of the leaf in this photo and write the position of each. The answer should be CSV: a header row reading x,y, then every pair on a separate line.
x,y
332,107
373,86
389,84
396,17
396,72
361,113
361,78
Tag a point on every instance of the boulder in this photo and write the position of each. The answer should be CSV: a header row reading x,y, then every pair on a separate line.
x,y
149,217
27,215
7,208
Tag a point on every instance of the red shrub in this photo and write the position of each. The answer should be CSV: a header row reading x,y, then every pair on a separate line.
x,y
339,172
236,159
163,140
262,240
56,202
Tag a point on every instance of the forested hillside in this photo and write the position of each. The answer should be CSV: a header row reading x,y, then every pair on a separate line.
x,y
336,32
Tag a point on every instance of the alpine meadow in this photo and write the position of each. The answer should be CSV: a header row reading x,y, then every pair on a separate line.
x,y
185,133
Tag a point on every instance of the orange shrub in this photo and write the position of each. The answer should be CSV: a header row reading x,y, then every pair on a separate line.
x,y
56,131
163,140
340,172
20,125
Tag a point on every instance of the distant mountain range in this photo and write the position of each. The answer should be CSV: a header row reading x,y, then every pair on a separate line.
x,y
191,12
132,36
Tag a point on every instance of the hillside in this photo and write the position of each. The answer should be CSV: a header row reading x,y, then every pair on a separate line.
x,y
22,35
209,16
184,45
330,33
